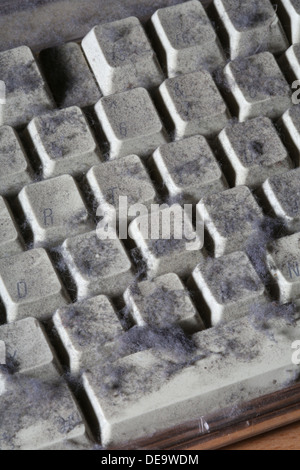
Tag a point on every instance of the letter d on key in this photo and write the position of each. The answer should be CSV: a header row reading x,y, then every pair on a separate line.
x,y
22,289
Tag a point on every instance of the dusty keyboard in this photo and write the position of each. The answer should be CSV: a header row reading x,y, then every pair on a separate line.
x,y
113,327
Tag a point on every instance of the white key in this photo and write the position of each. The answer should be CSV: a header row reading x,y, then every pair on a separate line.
x,y
29,286
97,266
161,303
27,94
229,286
187,39
257,87
289,125
194,104
167,241
188,169
283,259
85,327
69,76
54,210
121,57
252,151
63,143
229,219
37,409
28,350
250,27
11,241
125,177
283,194
131,123
290,63
290,14
236,363
15,169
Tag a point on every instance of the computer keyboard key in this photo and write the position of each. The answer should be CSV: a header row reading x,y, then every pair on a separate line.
x,y
231,364
69,76
54,210
86,327
168,241
28,350
29,286
97,266
15,168
121,57
163,302
2,353
27,94
250,27
229,219
282,192
63,143
131,123
38,414
252,151
229,286
289,10
187,39
11,241
188,169
125,177
283,257
194,104
290,63
289,125
257,87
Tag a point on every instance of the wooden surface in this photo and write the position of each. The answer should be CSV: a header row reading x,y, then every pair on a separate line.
x,y
287,438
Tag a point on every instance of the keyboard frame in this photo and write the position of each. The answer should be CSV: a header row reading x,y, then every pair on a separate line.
x,y
254,417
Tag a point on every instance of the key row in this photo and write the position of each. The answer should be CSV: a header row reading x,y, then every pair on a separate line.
x,y
39,411
63,144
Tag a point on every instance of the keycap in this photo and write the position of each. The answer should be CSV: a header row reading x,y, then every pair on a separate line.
x,y
54,210
188,169
289,125
27,94
121,57
28,350
290,14
37,408
194,104
229,286
11,241
168,241
15,168
252,151
69,76
163,302
186,38
97,266
131,123
250,27
229,219
283,258
63,143
231,364
282,193
290,63
257,87
29,286
85,327
125,177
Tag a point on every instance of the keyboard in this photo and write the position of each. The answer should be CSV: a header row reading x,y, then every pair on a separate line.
x,y
149,222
